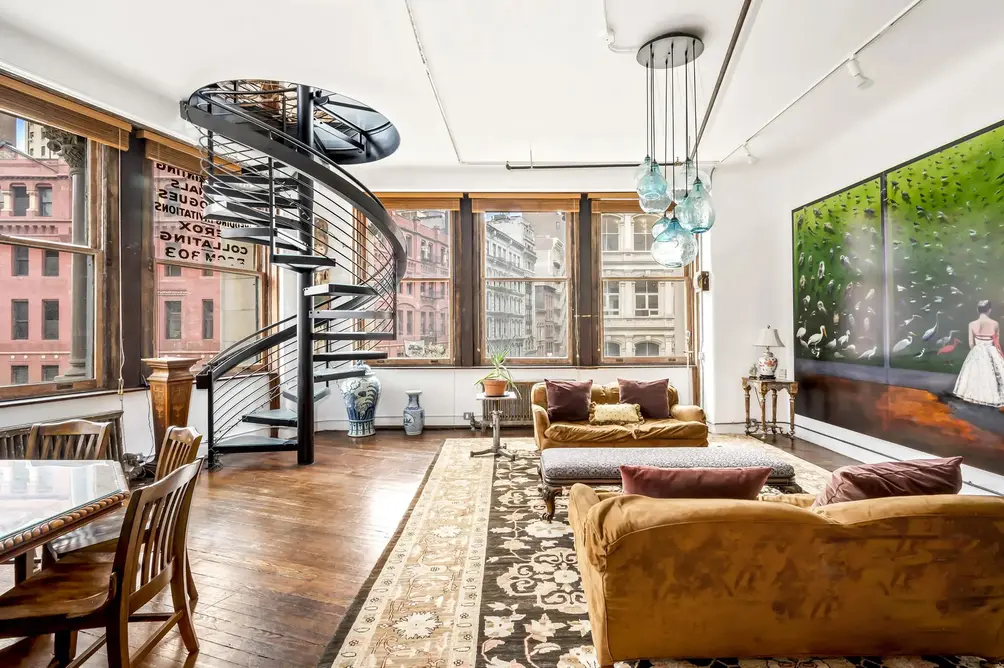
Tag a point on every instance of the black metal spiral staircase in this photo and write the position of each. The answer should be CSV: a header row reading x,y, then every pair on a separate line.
x,y
272,152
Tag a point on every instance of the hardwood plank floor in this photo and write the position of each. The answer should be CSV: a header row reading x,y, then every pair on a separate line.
x,y
279,552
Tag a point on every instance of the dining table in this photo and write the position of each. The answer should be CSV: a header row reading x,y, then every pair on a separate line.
x,y
41,500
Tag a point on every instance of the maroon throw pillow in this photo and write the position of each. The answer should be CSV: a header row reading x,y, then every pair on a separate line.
x,y
915,477
651,395
735,483
568,400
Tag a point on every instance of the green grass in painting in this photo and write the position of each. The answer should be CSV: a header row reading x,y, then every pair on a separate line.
x,y
946,217
838,273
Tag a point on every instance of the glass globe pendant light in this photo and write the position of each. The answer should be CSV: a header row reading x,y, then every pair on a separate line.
x,y
659,226
675,247
657,204
697,212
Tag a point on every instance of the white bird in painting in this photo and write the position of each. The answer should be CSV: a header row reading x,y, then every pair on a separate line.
x,y
945,340
831,344
821,307
801,281
800,333
929,334
868,354
911,319
871,293
844,339
816,339
822,270
903,344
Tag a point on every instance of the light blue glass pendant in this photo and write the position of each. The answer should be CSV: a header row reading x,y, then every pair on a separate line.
x,y
656,205
652,184
675,247
697,211
659,226
641,170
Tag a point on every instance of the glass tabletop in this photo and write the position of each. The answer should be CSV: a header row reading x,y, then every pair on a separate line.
x,y
34,492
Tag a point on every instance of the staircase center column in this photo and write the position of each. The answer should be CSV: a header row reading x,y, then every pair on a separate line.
x,y
304,325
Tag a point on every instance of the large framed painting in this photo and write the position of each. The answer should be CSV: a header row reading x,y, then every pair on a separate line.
x,y
918,251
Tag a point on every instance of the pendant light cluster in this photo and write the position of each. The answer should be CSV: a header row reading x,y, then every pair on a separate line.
x,y
685,194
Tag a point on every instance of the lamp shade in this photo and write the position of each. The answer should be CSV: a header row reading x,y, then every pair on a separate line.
x,y
769,338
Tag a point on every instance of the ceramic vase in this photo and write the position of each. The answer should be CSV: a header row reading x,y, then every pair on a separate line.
x,y
361,396
414,414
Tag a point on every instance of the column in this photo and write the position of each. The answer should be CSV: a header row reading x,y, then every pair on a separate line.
x,y
170,394
8,203
73,150
33,202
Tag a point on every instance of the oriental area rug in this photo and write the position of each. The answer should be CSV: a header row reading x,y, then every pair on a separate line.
x,y
475,579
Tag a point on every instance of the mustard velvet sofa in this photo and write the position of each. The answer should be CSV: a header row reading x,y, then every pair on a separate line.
x,y
673,578
686,428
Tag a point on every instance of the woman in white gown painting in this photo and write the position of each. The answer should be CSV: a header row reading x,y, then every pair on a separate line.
x,y
981,380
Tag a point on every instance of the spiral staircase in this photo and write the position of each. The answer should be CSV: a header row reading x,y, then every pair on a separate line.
x,y
271,160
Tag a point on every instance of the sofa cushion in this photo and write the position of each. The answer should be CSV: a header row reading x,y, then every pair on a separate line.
x,y
670,429
917,477
651,395
694,483
614,413
570,432
568,400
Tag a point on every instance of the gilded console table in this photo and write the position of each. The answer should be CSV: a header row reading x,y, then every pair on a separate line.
x,y
764,387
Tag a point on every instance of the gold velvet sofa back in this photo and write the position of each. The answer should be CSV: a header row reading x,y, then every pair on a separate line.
x,y
672,578
687,425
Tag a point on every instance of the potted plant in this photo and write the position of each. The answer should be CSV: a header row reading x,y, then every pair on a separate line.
x,y
498,379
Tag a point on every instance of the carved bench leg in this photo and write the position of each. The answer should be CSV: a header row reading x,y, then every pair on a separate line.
x,y
548,493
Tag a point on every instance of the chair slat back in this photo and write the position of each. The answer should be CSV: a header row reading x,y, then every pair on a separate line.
x,y
180,447
152,543
70,439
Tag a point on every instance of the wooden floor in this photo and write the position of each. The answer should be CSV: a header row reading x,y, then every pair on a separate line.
x,y
279,552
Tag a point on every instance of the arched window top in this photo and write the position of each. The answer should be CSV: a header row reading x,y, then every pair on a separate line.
x,y
646,349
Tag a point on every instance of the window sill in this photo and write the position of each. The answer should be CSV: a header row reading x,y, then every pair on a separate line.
x,y
64,396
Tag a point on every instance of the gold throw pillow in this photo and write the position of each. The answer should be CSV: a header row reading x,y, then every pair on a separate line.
x,y
614,413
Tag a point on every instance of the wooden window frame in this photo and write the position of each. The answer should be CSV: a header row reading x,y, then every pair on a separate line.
x,y
102,186
626,205
432,201
567,203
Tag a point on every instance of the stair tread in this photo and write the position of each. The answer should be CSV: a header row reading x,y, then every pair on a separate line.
x,y
251,197
278,417
354,355
338,314
245,180
233,212
354,336
338,375
252,442
296,260
339,289
318,395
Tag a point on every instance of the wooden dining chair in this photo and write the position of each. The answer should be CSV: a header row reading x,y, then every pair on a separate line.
x,y
180,448
80,592
70,439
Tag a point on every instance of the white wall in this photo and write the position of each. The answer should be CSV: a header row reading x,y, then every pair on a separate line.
x,y
448,393
751,244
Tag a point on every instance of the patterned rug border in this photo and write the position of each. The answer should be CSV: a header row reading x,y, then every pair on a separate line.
x,y
344,626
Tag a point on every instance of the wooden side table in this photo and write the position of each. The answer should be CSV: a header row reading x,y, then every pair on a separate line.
x,y
764,387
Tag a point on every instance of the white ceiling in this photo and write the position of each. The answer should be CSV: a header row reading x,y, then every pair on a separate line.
x,y
512,76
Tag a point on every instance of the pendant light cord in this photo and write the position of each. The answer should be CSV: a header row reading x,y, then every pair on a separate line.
x,y
665,134
697,162
686,119
672,84
647,119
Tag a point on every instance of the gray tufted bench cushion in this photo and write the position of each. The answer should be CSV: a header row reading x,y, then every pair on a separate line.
x,y
560,467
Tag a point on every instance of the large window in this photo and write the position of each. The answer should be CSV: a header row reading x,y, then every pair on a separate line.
x,y
424,298
47,239
526,286
644,304
209,290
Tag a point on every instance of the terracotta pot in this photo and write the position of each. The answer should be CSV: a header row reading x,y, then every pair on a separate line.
x,y
494,387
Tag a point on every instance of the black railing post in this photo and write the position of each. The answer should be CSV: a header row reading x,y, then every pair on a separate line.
x,y
304,338
214,456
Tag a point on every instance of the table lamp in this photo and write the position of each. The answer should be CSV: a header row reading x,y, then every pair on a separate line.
x,y
767,364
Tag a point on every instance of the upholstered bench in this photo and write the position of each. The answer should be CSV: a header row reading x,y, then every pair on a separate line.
x,y
563,467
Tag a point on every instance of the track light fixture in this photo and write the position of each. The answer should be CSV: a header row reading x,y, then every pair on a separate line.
x,y
750,158
854,69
